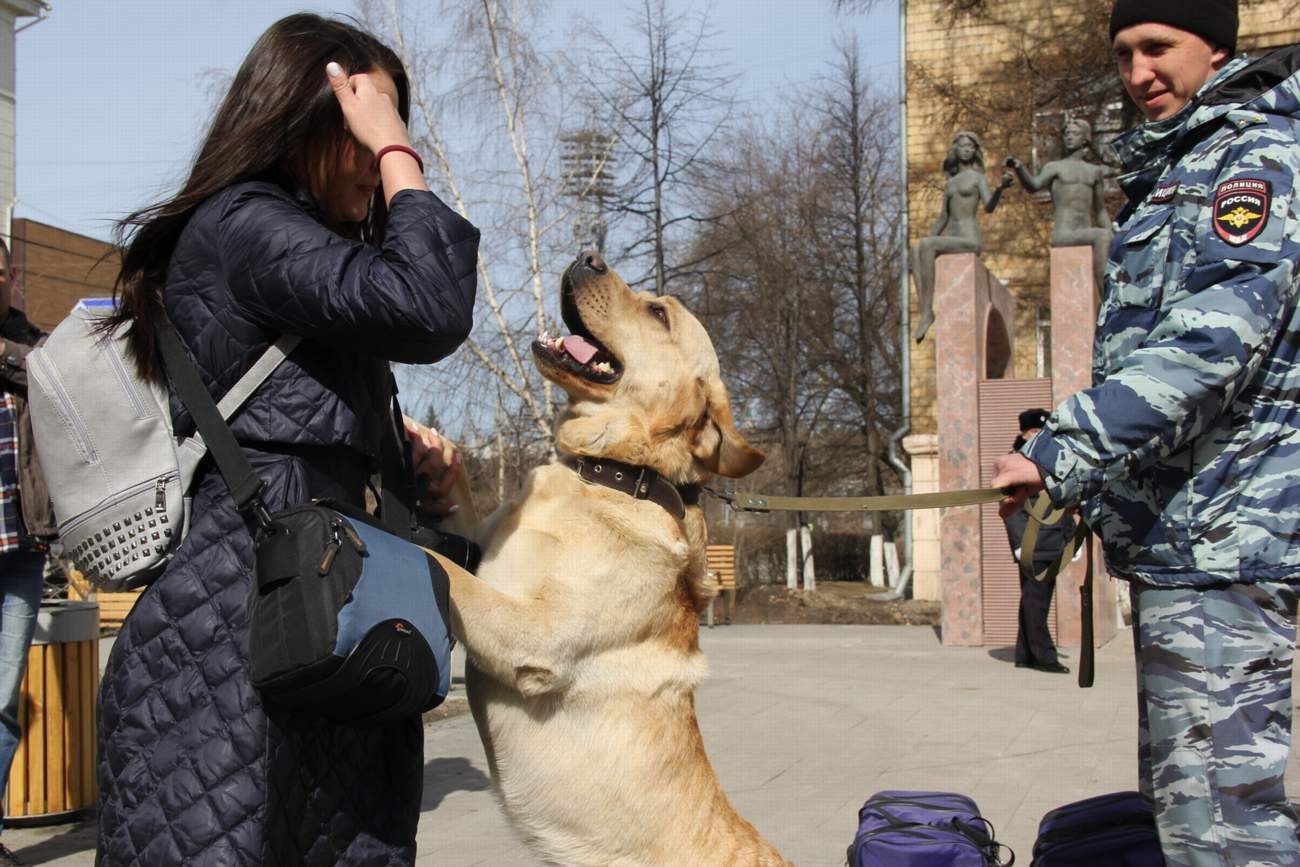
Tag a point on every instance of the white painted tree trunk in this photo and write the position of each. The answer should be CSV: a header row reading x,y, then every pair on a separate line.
x,y
791,560
891,564
876,561
809,574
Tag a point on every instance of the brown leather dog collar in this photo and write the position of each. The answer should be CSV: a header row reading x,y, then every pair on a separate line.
x,y
641,483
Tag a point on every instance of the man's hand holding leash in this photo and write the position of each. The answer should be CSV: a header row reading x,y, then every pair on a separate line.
x,y
1019,475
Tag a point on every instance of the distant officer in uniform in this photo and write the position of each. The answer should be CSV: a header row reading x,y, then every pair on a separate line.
x,y
1034,646
1185,452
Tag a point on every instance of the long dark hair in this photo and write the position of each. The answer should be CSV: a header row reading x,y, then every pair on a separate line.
x,y
280,121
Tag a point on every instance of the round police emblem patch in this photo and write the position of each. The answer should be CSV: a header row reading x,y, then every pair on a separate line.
x,y
1241,210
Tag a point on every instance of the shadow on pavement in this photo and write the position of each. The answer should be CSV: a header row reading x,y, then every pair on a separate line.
x,y
1003,654
63,842
451,774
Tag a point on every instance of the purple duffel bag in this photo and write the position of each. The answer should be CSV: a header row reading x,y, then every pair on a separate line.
x,y
924,829
1118,830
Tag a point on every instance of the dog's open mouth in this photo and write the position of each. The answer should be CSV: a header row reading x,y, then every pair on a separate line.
x,y
581,355
579,352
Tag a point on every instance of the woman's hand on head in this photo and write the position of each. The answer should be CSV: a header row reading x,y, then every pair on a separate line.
x,y
369,104
370,115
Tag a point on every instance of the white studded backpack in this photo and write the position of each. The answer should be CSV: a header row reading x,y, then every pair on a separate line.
x,y
118,475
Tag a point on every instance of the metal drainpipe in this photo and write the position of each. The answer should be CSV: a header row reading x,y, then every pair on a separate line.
x,y
905,329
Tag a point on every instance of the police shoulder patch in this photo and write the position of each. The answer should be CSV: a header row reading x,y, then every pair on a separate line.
x,y
1164,193
1241,209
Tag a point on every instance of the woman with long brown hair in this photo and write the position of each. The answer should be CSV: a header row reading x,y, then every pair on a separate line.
x,y
305,213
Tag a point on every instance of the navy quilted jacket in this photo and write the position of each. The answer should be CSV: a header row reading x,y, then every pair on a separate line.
x,y
192,768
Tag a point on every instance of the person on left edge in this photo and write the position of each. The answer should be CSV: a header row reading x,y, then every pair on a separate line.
x,y
1034,646
26,523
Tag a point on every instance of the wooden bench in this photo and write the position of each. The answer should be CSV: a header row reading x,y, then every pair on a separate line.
x,y
721,561
113,607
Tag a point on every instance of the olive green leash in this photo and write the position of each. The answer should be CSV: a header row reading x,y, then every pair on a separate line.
x,y
897,502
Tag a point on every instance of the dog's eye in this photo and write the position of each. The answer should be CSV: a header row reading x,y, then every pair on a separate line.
x,y
658,312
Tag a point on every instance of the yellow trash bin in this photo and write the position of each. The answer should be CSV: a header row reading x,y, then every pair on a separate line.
x,y
52,778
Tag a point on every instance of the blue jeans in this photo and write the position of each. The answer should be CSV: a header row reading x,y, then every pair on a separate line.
x,y
21,579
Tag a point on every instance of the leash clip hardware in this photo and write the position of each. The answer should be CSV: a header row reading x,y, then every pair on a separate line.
x,y
721,495
751,504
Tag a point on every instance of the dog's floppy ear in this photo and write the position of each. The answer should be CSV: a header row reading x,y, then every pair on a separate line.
x,y
718,446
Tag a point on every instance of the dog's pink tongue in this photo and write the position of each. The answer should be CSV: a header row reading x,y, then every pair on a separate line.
x,y
580,349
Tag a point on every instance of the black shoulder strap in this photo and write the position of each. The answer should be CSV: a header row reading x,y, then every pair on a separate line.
x,y
396,477
244,483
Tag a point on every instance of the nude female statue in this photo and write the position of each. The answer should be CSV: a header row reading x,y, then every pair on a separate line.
x,y
957,229
1078,193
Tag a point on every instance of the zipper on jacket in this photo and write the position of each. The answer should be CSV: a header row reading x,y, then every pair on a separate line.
x,y
160,494
124,379
45,372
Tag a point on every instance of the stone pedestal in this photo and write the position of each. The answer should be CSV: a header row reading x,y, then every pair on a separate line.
x,y
1074,316
926,574
973,339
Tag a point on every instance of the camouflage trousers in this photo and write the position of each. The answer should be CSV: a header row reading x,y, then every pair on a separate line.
x,y
1214,721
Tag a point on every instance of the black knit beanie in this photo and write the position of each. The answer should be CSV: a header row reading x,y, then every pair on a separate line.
x,y
1213,20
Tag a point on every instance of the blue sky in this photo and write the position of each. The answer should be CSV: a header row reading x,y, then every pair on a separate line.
x,y
112,96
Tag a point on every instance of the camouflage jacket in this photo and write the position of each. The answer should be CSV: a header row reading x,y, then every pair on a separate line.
x,y
1186,450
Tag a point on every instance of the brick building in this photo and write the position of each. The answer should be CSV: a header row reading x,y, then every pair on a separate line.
x,y
948,49
54,268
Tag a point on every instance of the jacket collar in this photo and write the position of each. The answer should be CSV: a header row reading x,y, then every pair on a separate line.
x,y
1146,150
296,191
1269,85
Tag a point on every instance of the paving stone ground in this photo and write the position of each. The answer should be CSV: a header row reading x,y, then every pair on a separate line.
x,y
802,723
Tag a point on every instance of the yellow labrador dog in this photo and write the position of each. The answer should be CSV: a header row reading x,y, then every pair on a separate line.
x,y
582,629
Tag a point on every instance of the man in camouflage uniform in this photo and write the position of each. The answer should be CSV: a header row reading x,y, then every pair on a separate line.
x,y
1185,452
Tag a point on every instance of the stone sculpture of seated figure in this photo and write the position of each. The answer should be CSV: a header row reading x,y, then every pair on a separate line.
x,y
957,229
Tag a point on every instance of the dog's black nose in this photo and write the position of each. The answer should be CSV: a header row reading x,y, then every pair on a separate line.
x,y
593,260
